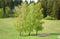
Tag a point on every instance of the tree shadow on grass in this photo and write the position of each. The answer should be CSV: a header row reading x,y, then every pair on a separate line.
x,y
42,35
55,33
47,34
28,35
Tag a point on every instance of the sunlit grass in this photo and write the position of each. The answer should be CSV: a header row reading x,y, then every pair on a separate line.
x,y
8,32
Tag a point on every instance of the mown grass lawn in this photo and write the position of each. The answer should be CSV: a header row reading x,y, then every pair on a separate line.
x,y
8,32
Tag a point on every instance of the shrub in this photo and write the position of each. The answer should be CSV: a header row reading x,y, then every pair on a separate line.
x,y
1,12
49,18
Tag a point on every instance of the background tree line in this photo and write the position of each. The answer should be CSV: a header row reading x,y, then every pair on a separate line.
x,y
51,8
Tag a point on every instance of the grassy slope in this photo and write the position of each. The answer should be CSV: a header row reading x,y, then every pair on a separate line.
x,y
52,26
8,32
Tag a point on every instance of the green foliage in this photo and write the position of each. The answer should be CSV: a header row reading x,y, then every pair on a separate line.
x,y
1,12
17,10
29,18
21,11
7,11
49,18
38,17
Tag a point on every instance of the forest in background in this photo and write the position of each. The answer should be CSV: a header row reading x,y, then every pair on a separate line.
x,y
51,8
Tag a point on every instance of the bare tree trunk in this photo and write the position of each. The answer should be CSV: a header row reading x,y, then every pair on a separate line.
x,y
36,32
29,33
21,33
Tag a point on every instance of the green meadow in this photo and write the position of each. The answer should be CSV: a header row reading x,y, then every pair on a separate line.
x,y
7,30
